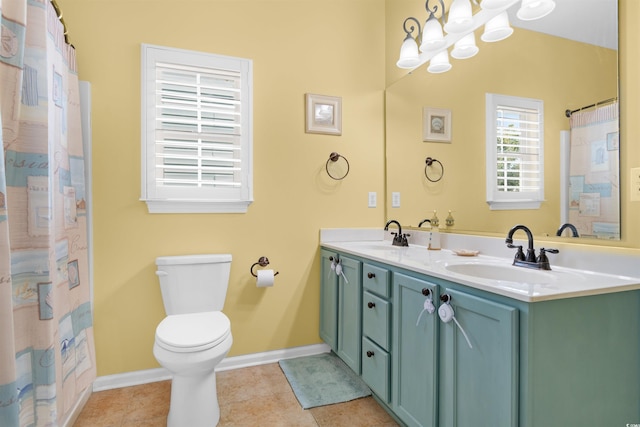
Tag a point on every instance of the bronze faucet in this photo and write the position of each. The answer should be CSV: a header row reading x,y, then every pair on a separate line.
x,y
530,260
399,239
574,230
423,221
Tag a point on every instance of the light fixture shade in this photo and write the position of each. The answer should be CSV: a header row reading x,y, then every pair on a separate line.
x,y
460,17
439,63
465,47
409,55
493,4
432,36
497,28
535,9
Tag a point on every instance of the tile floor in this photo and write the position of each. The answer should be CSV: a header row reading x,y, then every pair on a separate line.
x,y
248,397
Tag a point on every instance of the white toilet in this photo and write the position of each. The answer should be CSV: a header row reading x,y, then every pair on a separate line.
x,y
195,336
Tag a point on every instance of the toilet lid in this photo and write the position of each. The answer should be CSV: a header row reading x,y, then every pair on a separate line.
x,y
193,331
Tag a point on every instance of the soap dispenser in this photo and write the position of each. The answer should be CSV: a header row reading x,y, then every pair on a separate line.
x,y
434,233
449,221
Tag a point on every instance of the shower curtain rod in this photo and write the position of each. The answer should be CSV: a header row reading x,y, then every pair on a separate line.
x,y
59,13
568,113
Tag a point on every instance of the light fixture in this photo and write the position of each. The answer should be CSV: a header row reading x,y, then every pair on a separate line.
x,y
465,47
460,17
439,63
535,9
433,38
460,26
497,28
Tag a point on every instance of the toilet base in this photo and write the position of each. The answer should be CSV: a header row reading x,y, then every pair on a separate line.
x,y
194,401
194,398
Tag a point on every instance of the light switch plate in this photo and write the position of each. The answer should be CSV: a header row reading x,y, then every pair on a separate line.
x,y
635,184
395,199
373,199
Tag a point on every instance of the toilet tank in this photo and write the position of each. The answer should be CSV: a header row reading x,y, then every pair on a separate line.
x,y
193,283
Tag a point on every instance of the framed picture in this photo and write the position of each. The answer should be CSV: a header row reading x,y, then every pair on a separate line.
x,y
324,114
436,125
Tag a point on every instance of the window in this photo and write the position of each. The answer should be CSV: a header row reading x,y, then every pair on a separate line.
x,y
196,131
515,160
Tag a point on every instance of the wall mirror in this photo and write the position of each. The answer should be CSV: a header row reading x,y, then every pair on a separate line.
x,y
569,60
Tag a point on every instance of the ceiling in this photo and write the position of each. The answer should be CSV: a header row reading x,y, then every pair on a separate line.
x,y
587,21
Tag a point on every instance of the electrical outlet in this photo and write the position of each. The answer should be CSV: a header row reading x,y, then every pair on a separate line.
x,y
635,184
373,199
395,199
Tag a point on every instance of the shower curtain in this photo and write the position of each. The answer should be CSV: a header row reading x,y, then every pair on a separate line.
x,y
47,357
594,181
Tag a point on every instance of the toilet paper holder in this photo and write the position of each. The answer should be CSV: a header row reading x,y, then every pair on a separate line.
x,y
263,261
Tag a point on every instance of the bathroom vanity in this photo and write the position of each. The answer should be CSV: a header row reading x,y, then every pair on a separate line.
x,y
519,348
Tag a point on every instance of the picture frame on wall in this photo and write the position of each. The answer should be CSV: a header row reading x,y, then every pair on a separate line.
x,y
323,114
436,125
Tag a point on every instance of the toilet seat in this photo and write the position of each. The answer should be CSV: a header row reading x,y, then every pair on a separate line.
x,y
193,332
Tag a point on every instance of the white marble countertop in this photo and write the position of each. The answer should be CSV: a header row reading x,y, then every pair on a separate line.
x,y
496,273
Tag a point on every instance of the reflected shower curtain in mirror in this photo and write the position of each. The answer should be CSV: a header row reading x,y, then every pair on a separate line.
x,y
47,357
594,181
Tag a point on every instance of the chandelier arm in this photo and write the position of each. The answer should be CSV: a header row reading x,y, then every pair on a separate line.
x,y
412,28
432,12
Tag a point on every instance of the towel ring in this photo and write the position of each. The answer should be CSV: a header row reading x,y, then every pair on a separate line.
x,y
430,161
334,157
263,261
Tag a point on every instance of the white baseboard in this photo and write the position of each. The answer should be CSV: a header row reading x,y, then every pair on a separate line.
x,y
128,379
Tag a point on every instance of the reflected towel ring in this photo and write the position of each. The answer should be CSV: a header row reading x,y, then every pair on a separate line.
x,y
430,161
263,261
334,157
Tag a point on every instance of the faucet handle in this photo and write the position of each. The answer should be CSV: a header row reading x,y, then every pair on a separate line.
x,y
519,254
543,254
542,260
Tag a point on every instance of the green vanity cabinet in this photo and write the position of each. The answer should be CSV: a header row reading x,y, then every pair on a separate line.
x,y
415,351
376,330
438,380
478,385
340,299
570,362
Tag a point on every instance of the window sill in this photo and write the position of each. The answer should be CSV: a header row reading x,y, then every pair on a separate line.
x,y
496,205
197,206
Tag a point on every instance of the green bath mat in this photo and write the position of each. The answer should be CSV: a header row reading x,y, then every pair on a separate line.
x,y
322,379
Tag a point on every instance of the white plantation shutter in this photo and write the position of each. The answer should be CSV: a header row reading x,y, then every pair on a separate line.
x,y
196,131
515,142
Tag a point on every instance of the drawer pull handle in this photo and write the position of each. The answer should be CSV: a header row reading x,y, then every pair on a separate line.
x,y
371,304
425,292
369,353
371,275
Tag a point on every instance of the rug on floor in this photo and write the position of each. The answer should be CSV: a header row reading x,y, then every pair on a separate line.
x,y
322,379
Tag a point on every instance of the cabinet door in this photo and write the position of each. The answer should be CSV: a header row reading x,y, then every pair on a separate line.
x,y
478,385
349,313
414,377
328,300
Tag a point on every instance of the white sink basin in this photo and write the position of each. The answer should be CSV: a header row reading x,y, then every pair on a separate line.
x,y
505,273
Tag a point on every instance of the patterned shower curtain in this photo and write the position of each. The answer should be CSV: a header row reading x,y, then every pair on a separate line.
x,y
594,180
47,357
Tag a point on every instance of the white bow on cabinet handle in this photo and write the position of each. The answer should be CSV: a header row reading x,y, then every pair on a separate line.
x,y
447,314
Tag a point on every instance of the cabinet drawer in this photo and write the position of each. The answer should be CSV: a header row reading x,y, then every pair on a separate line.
x,y
376,317
375,369
376,279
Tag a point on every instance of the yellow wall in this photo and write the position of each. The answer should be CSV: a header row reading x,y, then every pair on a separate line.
x,y
563,73
331,47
